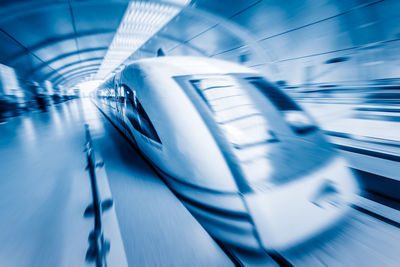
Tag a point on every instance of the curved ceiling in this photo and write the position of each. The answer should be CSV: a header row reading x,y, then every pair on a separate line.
x,y
46,40
54,40
65,41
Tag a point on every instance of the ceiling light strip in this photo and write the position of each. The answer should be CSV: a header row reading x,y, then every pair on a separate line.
x,y
141,21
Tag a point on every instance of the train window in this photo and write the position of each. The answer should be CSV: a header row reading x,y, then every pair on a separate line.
x,y
121,94
138,117
277,97
131,112
293,115
146,126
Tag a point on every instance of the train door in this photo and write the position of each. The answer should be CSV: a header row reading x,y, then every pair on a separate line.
x,y
111,98
120,107
117,95
132,120
120,101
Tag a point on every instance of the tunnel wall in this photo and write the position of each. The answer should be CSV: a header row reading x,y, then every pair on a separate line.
x,y
308,42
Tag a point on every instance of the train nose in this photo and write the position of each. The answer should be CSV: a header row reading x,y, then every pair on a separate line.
x,y
298,211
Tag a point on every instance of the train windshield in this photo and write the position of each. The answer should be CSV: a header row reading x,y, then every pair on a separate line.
x,y
249,111
277,97
234,110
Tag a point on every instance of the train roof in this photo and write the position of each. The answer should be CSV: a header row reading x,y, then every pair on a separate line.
x,y
189,65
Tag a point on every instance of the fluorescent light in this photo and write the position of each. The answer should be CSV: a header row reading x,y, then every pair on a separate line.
x,y
142,19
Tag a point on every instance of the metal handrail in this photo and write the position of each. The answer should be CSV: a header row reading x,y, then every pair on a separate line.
x,y
98,246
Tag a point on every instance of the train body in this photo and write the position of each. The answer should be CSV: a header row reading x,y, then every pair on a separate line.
x,y
244,158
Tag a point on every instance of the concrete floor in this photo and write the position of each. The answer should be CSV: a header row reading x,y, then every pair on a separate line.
x,y
45,189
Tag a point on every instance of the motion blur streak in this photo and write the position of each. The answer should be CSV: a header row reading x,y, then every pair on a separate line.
x,y
244,132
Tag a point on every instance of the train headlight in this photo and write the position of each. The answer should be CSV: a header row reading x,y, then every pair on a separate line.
x,y
299,121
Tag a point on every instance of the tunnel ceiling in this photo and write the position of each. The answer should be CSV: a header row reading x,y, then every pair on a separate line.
x,y
57,40
65,41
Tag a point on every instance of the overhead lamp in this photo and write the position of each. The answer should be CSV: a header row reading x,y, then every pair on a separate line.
x,y
142,19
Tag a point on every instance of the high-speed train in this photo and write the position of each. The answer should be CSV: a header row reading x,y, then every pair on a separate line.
x,y
242,156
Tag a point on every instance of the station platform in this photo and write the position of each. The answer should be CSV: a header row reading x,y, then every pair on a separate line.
x,y
45,190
